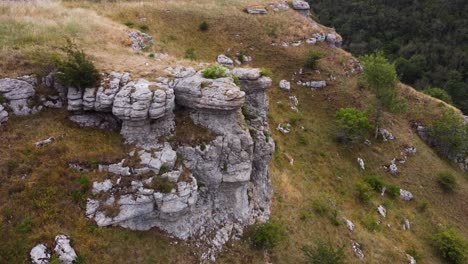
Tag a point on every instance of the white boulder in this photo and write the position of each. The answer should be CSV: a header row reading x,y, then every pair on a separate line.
x,y
65,252
40,254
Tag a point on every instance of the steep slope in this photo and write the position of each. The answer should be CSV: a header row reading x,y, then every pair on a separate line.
x,y
322,171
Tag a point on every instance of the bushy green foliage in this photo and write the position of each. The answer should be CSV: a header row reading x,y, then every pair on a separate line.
x,y
425,39
450,245
375,182
214,72
203,26
76,70
370,222
25,226
450,134
161,184
439,94
266,72
267,235
447,181
311,59
393,191
352,125
380,75
364,192
324,253
191,54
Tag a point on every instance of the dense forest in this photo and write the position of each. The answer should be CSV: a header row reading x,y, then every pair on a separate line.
x,y
426,39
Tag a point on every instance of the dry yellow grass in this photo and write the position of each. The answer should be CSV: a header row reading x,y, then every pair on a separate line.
x,y
322,168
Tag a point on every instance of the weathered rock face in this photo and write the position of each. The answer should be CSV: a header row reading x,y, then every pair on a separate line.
x,y
140,40
302,7
18,94
3,114
209,191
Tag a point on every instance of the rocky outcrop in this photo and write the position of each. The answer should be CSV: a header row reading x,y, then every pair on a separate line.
x,y
40,254
302,7
209,191
63,249
18,94
140,40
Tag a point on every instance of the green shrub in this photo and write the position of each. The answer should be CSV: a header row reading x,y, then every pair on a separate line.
x,y
84,183
352,125
76,70
163,169
143,28
203,26
323,253
161,184
266,72
450,134
267,235
364,192
393,191
214,72
129,24
191,54
311,59
375,182
25,226
370,222
451,246
439,94
381,77
447,181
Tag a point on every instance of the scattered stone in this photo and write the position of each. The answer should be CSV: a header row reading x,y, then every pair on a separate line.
x,y
382,211
357,249
334,40
361,163
140,40
40,254
296,43
256,10
285,85
393,169
281,6
311,41
225,60
411,150
411,259
65,252
382,193
116,168
406,195
367,142
406,225
313,84
78,167
385,134
300,5
44,142
284,128
349,224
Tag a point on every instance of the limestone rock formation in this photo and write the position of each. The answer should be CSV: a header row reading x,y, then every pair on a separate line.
x,y
285,85
209,191
3,114
63,249
256,10
40,254
140,40
18,95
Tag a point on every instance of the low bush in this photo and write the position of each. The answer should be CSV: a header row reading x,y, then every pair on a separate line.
x,y
375,182
267,235
25,226
352,125
161,184
364,192
323,253
214,72
76,69
203,26
447,181
311,59
450,134
370,222
266,72
191,54
450,245
439,94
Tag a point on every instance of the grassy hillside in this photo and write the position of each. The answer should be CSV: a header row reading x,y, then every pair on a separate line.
x,y
324,172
